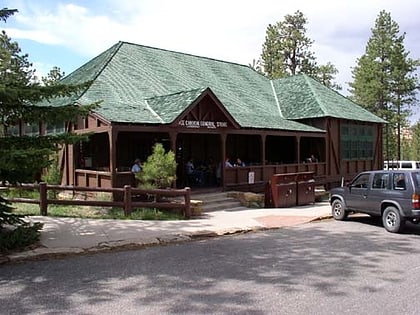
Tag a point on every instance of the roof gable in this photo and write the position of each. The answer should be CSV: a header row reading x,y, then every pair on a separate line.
x,y
302,97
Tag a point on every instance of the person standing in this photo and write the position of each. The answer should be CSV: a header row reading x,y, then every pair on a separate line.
x,y
137,167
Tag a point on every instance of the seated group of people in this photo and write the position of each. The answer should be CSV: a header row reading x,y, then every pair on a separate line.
x,y
201,174
238,162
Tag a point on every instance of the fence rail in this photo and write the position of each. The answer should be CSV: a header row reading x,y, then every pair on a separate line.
x,y
127,203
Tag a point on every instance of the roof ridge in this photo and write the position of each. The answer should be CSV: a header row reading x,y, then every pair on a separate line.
x,y
318,101
117,48
186,54
202,89
276,98
153,112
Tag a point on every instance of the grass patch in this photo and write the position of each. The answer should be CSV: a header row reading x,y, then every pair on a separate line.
x,y
89,212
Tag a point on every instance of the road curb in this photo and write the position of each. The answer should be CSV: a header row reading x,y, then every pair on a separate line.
x,y
43,253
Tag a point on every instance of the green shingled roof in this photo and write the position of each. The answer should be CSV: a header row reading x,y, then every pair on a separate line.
x,y
140,84
301,97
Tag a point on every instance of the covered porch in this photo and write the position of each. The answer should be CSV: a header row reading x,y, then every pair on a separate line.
x,y
105,160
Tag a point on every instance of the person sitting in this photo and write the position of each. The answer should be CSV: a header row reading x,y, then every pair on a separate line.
x,y
400,182
228,163
137,167
311,159
239,162
194,176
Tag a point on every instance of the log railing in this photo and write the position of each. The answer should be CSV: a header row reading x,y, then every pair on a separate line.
x,y
127,202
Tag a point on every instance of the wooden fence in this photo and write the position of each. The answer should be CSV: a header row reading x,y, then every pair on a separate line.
x,y
128,203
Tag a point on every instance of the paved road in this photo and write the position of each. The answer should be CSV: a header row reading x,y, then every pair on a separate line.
x,y
326,267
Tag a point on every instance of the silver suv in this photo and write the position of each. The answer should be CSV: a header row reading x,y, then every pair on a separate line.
x,y
393,195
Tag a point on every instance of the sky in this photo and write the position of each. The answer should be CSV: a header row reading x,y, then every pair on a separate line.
x,y
68,34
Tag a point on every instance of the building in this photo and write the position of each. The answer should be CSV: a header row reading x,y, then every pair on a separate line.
x,y
209,110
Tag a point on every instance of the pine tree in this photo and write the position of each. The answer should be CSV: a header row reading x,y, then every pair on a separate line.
x,y
24,100
159,171
326,74
272,57
286,51
384,81
6,13
415,145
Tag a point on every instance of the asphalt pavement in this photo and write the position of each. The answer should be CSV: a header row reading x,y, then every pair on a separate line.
x,y
76,236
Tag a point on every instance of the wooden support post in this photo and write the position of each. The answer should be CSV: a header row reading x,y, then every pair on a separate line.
x,y
127,200
187,213
43,203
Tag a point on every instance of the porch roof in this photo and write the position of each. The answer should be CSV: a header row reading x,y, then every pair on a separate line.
x,y
140,84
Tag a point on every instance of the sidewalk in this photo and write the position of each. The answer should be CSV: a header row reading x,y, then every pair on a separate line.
x,y
70,236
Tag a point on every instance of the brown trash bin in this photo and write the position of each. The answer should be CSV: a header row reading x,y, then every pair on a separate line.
x,y
283,187
305,188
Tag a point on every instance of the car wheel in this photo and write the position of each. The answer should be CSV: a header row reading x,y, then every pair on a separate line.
x,y
337,210
392,221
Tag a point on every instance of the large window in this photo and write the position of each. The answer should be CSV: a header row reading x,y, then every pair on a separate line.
x,y
356,142
31,129
53,129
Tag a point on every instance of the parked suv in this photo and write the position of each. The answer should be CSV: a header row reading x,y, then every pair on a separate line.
x,y
393,195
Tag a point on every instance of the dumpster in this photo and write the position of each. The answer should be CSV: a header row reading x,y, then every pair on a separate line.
x,y
305,188
283,189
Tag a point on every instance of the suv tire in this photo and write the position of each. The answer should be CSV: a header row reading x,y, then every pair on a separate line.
x,y
392,220
337,210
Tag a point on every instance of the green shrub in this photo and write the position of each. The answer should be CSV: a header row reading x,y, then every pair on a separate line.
x,y
159,171
53,175
15,232
19,236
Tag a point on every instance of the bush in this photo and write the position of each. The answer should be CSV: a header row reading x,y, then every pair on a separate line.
x,y
19,236
15,232
159,171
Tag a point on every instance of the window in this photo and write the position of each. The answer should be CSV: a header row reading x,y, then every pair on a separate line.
x,y
361,181
407,165
31,129
57,128
356,142
380,181
13,130
399,181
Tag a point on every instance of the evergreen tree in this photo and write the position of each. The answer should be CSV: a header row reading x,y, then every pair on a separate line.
x,y
272,57
24,101
384,81
159,171
326,74
286,51
415,144
6,13
53,77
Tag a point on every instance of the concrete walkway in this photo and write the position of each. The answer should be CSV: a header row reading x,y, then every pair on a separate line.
x,y
66,236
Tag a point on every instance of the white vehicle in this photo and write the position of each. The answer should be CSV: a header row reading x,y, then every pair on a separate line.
x,y
401,165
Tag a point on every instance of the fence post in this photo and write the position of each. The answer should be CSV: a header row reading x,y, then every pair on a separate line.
x,y
187,202
43,203
127,200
